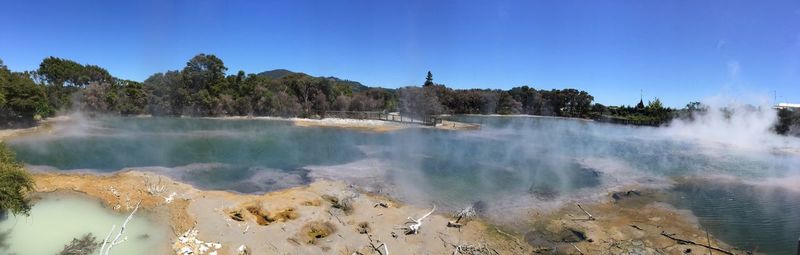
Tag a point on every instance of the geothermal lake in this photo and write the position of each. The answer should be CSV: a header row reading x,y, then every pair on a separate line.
x,y
744,188
58,218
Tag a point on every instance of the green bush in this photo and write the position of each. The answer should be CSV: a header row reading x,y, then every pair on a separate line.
x,y
15,183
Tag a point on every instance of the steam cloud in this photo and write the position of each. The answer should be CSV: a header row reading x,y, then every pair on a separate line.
x,y
511,163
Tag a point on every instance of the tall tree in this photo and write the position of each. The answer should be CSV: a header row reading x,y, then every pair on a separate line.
x,y
168,94
428,79
205,79
134,98
23,99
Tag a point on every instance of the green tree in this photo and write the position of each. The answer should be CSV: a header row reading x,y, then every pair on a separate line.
x,y
428,79
134,98
167,94
23,98
507,105
94,97
204,76
15,183
5,77
65,72
655,105
63,77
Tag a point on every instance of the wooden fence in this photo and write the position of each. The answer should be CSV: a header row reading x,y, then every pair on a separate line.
x,y
396,117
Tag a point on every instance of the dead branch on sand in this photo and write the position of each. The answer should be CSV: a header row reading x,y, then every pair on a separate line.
x,y
467,249
155,188
385,248
576,248
508,235
105,250
414,228
684,241
584,211
337,218
377,248
462,214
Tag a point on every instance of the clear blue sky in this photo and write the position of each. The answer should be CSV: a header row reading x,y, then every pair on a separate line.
x,y
676,50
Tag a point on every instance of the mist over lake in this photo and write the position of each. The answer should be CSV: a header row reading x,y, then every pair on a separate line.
x,y
510,164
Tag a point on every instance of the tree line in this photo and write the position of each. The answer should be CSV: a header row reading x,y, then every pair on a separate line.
x,y
202,88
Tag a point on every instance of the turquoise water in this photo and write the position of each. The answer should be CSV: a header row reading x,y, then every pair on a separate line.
x,y
510,162
753,218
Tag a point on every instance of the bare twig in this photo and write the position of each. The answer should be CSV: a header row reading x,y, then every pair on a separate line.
x,y
337,218
462,214
117,239
105,241
684,241
508,235
377,248
584,211
578,249
385,249
155,188
708,239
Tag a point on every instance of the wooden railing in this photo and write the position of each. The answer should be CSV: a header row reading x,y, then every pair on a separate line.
x,y
396,117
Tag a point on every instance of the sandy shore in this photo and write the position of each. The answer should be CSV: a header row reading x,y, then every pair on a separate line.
x,y
54,124
311,220
46,125
357,124
364,125
301,220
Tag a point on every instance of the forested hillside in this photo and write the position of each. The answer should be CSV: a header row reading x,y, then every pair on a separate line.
x,y
202,88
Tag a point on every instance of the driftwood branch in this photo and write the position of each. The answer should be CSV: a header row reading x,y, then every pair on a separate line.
x,y
105,241
584,211
337,218
155,188
469,249
414,228
117,239
378,248
578,249
508,235
684,241
708,239
462,214
385,249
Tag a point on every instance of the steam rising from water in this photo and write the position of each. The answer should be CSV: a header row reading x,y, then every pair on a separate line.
x,y
737,127
509,155
512,163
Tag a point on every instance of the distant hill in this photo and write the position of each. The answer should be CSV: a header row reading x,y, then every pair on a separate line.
x,y
280,73
276,74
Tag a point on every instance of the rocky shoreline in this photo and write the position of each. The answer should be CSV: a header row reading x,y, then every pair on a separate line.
x,y
310,219
332,217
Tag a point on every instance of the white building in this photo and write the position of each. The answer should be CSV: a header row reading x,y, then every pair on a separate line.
x,y
788,106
